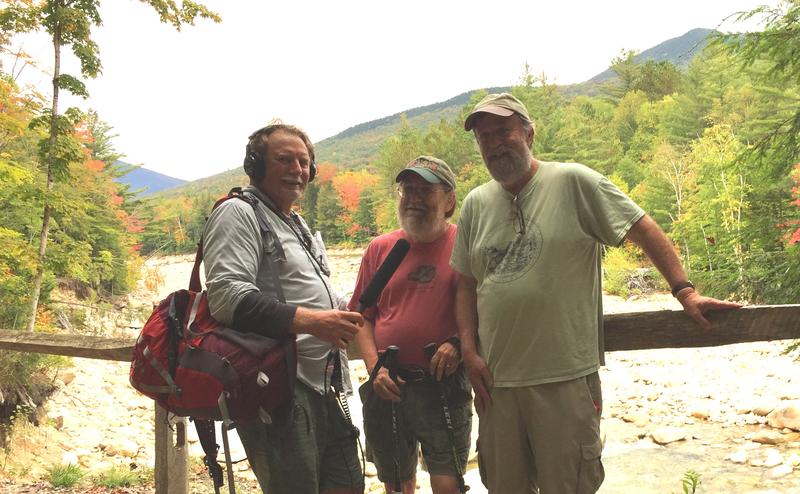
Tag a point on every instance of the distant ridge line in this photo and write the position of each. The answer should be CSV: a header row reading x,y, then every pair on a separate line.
x,y
461,99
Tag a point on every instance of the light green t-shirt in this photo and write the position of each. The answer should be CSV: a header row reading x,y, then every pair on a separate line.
x,y
539,288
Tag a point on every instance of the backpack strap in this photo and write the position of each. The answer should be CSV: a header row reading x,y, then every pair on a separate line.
x,y
268,235
194,279
268,266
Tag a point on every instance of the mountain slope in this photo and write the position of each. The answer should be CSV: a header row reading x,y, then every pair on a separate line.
x,y
357,146
679,51
145,182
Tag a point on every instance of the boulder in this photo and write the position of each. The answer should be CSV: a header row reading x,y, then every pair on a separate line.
x,y
767,436
785,415
667,434
739,457
67,377
122,447
778,472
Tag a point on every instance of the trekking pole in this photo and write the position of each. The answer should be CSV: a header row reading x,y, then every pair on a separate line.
x,y
391,366
226,423
430,349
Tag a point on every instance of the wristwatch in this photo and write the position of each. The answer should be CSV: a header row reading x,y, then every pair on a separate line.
x,y
680,286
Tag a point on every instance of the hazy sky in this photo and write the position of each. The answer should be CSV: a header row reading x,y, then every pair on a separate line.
x,y
184,103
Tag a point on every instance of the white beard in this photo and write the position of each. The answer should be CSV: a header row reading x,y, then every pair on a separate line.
x,y
509,165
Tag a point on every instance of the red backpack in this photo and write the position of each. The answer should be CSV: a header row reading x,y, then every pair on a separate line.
x,y
193,366
185,360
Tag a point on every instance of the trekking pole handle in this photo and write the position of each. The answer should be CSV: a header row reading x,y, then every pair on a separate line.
x,y
391,361
430,349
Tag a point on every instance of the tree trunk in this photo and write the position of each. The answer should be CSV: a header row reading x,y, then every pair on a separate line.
x,y
37,281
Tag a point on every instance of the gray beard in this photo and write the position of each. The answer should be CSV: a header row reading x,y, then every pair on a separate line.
x,y
419,227
509,166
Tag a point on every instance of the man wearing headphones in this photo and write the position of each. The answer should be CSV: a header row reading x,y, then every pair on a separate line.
x,y
276,284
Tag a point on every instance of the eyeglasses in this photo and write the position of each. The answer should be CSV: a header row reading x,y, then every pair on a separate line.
x,y
420,190
519,216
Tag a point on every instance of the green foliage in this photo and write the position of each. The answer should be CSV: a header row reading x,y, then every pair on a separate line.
x,y
117,476
186,12
73,85
690,482
65,475
618,266
365,217
771,58
623,274
329,210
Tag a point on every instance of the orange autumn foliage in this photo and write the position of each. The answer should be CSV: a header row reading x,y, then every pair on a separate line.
x,y
325,172
350,184
95,165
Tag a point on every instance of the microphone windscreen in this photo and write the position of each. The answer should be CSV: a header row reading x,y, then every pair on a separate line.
x,y
384,273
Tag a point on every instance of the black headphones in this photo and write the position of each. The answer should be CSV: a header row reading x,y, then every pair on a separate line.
x,y
254,165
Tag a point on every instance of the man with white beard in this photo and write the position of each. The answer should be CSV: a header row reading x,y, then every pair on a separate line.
x,y
529,303
414,310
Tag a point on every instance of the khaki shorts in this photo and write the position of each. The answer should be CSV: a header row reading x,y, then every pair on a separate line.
x,y
420,423
543,438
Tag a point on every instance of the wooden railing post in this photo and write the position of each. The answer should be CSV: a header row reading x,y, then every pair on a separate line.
x,y
172,453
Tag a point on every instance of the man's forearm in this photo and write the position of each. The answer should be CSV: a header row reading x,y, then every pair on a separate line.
x,y
466,307
653,241
260,314
365,339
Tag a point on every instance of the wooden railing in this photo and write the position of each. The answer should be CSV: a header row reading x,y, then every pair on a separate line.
x,y
630,331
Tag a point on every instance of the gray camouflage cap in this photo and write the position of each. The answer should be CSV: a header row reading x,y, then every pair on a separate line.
x,y
433,170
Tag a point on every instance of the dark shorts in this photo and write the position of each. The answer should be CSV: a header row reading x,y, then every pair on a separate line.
x,y
420,422
307,451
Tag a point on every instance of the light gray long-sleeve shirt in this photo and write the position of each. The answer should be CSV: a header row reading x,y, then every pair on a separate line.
x,y
234,251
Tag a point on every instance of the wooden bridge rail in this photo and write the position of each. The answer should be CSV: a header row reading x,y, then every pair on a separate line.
x,y
628,331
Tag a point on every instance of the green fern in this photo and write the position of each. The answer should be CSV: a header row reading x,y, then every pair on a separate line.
x,y
691,480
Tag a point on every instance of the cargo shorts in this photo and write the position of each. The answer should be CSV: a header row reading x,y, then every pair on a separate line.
x,y
543,438
309,450
420,423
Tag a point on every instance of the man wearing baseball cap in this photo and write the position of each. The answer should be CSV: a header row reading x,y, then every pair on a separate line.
x,y
414,310
529,303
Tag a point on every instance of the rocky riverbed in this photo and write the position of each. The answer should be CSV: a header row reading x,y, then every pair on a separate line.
x,y
730,413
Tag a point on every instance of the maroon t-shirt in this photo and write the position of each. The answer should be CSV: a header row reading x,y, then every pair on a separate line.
x,y
417,305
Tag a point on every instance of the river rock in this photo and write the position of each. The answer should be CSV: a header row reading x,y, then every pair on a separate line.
x,y
768,436
785,415
739,457
123,447
778,471
636,419
56,418
67,377
69,458
667,434
772,459
763,409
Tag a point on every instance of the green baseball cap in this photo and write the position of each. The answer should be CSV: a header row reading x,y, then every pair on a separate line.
x,y
502,104
433,170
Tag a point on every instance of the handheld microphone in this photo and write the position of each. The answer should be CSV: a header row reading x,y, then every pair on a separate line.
x,y
384,273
